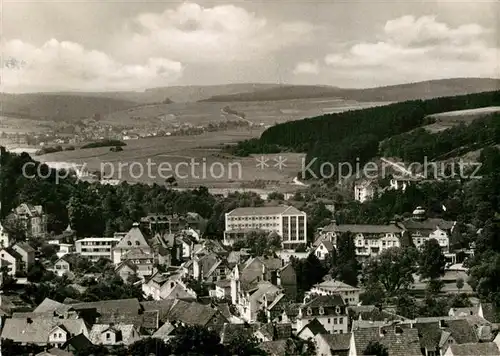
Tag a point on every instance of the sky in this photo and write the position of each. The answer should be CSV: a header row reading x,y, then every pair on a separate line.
x,y
109,45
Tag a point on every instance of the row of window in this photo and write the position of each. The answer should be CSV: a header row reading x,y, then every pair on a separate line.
x,y
235,218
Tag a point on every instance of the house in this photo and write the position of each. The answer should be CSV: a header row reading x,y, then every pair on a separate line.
x,y
370,240
421,228
287,221
280,347
95,248
365,190
332,344
167,286
154,223
77,344
4,237
329,310
480,349
32,218
437,334
165,332
125,270
10,259
62,266
43,330
113,334
399,341
222,289
324,249
210,268
310,330
26,252
193,313
257,277
349,294
133,240
186,244
273,332
143,260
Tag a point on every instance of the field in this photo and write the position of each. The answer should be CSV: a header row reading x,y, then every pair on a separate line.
x,y
203,113
13,125
449,119
194,160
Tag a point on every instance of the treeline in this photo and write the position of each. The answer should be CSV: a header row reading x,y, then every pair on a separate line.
x,y
104,143
414,146
355,135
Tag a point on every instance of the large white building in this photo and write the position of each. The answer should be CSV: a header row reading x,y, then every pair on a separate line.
x,y
96,247
370,240
349,294
287,221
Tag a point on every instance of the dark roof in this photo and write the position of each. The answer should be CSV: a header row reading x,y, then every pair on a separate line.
x,y
78,342
371,313
232,331
325,301
191,313
162,306
149,319
405,343
130,306
276,331
427,224
363,229
26,247
476,349
461,331
277,348
337,342
315,326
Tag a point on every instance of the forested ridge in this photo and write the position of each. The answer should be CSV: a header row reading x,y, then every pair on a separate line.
x,y
356,134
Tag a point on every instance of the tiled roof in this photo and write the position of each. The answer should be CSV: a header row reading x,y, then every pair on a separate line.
x,y
78,342
405,343
461,331
278,348
330,305
328,245
164,331
134,236
149,319
231,331
137,254
363,229
336,286
476,349
37,330
276,331
162,306
191,313
49,305
126,330
427,224
265,210
130,306
26,247
315,327
371,313
337,342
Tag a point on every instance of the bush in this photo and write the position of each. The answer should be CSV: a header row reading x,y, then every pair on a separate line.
x,y
104,143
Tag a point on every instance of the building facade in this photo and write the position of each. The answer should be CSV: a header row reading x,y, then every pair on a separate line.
x,y
95,248
287,221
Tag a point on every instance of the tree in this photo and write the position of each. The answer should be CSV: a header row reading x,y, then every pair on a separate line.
x,y
261,316
460,283
346,268
406,306
375,348
196,340
393,268
309,271
431,260
434,286
149,346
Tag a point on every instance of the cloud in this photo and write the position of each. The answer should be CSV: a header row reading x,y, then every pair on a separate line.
x,y
413,49
67,65
222,33
306,68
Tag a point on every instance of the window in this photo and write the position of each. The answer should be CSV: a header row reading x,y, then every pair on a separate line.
x,y
129,243
60,335
108,336
137,243
335,321
309,311
340,331
337,310
341,320
321,311
329,320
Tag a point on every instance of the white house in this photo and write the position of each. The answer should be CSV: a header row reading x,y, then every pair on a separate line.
x,y
329,310
4,237
349,294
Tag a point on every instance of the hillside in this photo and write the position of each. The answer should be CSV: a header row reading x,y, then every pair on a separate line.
x,y
59,106
354,136
412,91
179,94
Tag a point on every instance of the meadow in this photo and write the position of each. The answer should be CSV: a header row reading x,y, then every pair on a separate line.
x,y
449,119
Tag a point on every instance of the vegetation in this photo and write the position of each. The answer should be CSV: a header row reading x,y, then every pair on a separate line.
x,y
259,243
354,136
104,143
46,150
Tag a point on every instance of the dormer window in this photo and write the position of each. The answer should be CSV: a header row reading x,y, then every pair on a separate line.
x,y
137,243
309,311
129,243
337,310
321,311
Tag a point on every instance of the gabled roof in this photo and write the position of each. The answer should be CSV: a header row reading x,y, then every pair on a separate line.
x,y
126,331
25,247
325,301
328,245
49,305
164,331
405,343
126,263
37,330
78,342
162,306
429,224
131,305
336,286
276,331
363,228
315,327
476,349
337,342
192,313
265,210
134,237
230,332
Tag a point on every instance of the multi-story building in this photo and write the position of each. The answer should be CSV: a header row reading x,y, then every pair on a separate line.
x,y
133,240
349,294
329,310
421,228
369,240
287,221
95,248
32,218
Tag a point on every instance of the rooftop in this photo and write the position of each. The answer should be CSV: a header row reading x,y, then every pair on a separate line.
x,y
265,210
